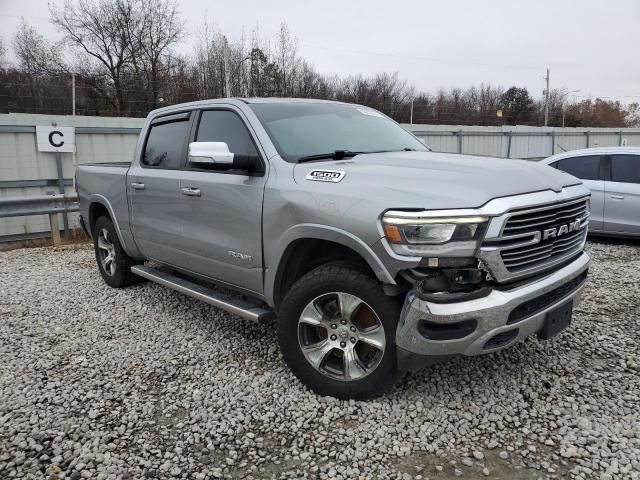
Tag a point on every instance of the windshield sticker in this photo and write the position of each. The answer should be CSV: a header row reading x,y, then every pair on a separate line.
x,y
371,113
333,176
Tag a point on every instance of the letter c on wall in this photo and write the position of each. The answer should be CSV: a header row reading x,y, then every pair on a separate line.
x,y
52,141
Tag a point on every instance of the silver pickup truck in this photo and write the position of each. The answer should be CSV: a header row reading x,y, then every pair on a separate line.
x,y
369,254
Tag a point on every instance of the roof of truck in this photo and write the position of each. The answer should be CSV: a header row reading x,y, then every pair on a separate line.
x,y
233,100
284,100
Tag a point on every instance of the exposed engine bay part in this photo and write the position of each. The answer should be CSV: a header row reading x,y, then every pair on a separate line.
x,y
461,280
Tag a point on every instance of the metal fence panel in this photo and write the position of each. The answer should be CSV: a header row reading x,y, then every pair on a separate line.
x,y
520,141
22,167
25,172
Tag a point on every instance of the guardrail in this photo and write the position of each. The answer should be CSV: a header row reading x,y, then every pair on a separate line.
x,y
50,205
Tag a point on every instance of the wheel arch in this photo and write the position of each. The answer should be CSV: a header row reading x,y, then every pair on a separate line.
x,y
100,206
96,210
305,247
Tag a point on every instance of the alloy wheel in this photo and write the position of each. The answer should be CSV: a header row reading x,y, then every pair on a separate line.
x,y
341,336
106,252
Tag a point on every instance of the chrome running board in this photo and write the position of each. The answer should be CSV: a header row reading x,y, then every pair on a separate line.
x,y
237,306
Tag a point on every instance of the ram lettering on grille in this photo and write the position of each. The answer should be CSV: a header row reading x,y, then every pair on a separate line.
x,y
562,229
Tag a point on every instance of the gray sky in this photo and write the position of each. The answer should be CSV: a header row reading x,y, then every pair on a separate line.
x,y
591,45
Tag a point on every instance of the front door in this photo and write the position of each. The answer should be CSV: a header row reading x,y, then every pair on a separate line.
x,y
221,208
153,187
622,199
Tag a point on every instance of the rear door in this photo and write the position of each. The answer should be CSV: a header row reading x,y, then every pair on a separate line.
x,y
154,189
622,201
221,208
591,169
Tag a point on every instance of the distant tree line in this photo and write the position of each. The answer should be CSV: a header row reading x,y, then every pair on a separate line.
x,y
123,55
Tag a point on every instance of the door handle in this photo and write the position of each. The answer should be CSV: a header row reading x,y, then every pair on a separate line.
x,y
191,192
137,185
617,197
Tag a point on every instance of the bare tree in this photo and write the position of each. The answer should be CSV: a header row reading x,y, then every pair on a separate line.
x,y
488,104
210,62
96,31
3,52
153,28
287,60
35,55
633,115
37,59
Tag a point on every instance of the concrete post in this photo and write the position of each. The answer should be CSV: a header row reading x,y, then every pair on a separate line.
x,y
55,229
65,217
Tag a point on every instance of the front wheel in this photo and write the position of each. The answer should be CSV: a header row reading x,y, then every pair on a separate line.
x,y
337,332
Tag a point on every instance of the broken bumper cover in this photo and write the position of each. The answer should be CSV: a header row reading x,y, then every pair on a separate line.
x,y
484,325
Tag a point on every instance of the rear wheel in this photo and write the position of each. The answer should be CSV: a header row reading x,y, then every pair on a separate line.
x,y
114,264
337,332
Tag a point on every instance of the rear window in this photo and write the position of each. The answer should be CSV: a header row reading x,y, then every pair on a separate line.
x,y
585,168
165,147
625,168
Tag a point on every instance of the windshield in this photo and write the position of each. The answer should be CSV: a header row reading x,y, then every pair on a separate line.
x,y
301,130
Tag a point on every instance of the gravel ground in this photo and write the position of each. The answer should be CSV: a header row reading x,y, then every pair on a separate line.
x,y
147,383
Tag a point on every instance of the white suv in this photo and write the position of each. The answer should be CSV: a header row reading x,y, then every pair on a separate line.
x,y
613,175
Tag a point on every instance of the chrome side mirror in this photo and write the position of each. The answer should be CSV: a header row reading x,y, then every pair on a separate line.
x,y
210,153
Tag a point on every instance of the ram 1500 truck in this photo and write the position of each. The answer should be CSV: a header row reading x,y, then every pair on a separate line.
x,y
370,254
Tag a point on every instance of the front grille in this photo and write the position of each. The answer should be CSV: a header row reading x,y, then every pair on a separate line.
x,y
528,242
544,217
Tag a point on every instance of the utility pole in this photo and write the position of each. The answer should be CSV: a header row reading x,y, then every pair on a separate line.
x,y
227,87
411,115
564,105
73,93
546,101
74,160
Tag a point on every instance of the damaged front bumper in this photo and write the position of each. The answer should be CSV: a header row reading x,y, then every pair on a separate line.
x,y
429,330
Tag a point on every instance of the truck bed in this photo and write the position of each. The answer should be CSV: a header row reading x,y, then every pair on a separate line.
x,y
106,184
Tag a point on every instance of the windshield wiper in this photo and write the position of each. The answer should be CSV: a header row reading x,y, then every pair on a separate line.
x,y
335,155
341,154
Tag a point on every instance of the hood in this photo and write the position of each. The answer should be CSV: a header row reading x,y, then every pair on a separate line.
x,y
434,180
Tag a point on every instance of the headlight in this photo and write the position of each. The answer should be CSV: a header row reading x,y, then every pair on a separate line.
x,y
416,235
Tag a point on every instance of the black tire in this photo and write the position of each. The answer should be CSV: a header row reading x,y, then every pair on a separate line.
x,y
118,273
318,284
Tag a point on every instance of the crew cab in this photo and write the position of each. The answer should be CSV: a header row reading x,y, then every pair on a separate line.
x,y
369,254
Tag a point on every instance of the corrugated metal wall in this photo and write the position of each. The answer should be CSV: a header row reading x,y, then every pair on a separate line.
x,y
25,171
520,141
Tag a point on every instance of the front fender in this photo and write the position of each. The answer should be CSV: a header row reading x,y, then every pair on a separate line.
x,y
321,232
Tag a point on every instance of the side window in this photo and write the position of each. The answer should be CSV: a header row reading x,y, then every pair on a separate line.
x,y
625,168
226,126
165,147
585,168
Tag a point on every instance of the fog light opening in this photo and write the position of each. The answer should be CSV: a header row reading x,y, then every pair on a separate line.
x,y
449,331
501,339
